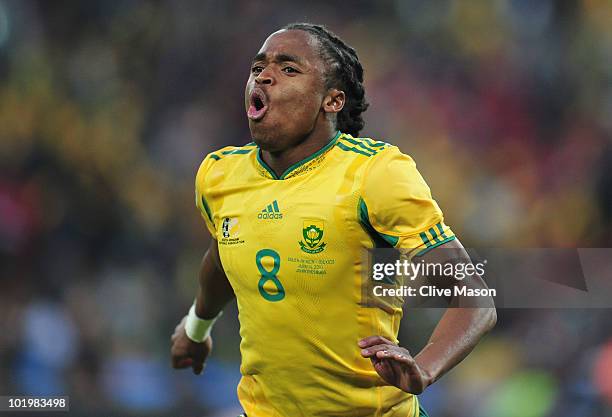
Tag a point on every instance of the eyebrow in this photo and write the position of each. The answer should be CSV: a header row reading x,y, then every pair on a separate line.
x,y
278,58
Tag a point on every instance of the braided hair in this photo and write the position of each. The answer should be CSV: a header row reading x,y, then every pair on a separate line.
x,y
344,72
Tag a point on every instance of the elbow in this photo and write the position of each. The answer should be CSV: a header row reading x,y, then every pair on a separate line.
x,y
491,319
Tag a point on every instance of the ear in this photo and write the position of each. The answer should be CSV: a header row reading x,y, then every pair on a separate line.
x,y
334,101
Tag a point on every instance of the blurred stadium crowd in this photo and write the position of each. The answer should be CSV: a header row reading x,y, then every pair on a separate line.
x,y
107,108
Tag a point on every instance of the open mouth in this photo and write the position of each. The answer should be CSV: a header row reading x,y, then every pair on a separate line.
x,y
258,107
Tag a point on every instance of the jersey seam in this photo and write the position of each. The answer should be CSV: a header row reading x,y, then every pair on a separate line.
x,y
410,235
361,211
367,169
403,235
202,202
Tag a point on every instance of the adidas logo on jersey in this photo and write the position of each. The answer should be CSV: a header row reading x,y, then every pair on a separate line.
x,y
272,212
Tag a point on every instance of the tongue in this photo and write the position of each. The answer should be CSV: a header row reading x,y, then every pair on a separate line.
x,y
253,113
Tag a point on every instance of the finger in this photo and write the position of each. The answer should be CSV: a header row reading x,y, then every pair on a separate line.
x,y
180,361
178,326
177,332
401,350
373,350
198,362
382,367
185,363
373,340
198,367
398,353
403,358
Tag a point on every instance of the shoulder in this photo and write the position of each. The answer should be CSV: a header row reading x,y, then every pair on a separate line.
x,y
391,169
361,146
375,155
228,151
224,158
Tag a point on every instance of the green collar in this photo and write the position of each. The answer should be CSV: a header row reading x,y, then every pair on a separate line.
x,y
292,169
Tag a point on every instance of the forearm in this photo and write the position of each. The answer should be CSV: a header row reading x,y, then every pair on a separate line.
x,y
463,324
455,336
214,290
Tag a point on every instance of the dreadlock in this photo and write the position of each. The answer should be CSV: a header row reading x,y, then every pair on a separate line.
x,y
344,72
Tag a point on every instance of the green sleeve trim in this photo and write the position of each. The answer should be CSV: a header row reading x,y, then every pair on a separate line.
x,y
206,209
435,245
381,240
441,230
215,157
425,239
433,234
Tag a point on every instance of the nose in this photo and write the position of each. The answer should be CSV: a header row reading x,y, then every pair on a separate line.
x,y
264,77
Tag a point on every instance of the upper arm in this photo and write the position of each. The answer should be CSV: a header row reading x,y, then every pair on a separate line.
x,y
453,253
213,249
215,289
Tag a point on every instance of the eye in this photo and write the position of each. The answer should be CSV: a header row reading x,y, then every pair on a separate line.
x,y
256,69
290,70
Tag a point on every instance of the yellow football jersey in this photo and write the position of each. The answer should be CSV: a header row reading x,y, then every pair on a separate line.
x,y
293,248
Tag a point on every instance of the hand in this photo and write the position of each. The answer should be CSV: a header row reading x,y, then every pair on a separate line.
x,y
394,364
187,353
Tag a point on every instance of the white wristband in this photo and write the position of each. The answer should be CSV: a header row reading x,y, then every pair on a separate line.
x,y
198,329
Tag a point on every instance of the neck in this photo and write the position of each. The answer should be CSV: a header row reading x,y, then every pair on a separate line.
x,y
280,161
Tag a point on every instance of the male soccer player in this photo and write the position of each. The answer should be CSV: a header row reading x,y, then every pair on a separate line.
x,y
290,216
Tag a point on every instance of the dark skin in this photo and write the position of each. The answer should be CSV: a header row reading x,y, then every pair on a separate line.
x,y
288,74
301,115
